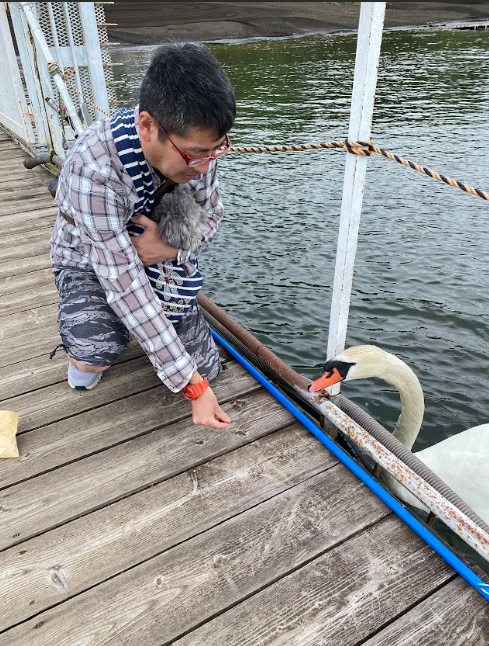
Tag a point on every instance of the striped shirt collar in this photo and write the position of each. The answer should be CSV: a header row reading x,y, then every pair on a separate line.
x,y
125,131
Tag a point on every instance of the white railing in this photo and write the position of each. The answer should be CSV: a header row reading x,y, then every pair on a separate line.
x,y
57,85
14,110
362,106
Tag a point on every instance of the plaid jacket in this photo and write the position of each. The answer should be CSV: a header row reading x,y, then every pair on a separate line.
x,y
96,190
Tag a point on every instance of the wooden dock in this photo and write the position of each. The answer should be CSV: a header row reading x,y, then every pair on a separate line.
x,y
122,523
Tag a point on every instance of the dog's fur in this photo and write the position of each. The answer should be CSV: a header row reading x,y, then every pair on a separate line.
x,y
180,219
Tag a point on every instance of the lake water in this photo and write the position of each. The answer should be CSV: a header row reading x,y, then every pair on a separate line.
x,y
421,276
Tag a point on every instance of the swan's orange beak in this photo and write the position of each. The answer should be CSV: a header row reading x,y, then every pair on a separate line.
x,y
328,379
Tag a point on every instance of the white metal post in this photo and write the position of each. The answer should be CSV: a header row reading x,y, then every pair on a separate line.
x,y
94,56
365,80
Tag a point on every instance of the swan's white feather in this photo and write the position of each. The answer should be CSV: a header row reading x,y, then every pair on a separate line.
x,y
461,461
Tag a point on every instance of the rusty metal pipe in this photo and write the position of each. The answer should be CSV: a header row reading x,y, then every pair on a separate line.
x,y
287,374
469,530
411,521
410,473
45,158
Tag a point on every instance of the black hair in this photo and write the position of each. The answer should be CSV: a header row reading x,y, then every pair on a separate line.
x,y
184,86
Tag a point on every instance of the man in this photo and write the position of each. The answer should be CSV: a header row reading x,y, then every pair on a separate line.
x,y
110,179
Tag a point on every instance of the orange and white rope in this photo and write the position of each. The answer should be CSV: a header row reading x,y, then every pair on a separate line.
x,y
365,148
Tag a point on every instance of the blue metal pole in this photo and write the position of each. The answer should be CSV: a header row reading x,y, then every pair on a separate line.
x,y
465,572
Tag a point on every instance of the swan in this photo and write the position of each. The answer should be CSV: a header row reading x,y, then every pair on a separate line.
x,y
461,461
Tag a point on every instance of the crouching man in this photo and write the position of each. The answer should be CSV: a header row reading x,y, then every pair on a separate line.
x,y
111,179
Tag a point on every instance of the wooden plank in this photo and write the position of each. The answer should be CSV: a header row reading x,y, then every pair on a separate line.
x,y
119,389
24,178
56,402
17,168
14,157
20,301
8,140
340,598
13,151
20,283
38,372
31,374
16,193
26,250
28,334
12,178
23,266
11,143
157,601
21,192
48,339
23,217
21,175
49,500
21,237
18,156
11,325
112,423
20,178
16,164
24,207
437,620
93,548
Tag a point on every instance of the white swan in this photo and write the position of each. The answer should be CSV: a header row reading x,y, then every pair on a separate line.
x,y
461,461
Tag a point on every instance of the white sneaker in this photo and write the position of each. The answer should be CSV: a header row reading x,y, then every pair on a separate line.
x,y
82,380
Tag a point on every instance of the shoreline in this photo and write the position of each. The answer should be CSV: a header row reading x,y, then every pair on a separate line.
x,y
153,23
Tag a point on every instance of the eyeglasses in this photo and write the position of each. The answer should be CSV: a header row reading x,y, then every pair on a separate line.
x,y
193,161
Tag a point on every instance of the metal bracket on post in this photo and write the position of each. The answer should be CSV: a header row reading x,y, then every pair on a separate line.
x,y
365,80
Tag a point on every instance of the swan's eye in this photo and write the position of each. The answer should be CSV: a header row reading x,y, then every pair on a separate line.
x,y
340,368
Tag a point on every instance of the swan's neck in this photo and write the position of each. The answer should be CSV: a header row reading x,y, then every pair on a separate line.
x,y
399,375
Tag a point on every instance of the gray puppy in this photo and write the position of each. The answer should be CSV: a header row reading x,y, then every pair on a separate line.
x,y
181,221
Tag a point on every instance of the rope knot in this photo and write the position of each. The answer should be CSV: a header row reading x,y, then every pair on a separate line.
x,y
358,147
54,68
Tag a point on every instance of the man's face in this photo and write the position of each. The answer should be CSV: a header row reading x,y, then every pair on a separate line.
x,y
165,157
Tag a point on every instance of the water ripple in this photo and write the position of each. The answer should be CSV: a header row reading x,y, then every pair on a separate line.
x,y
420,286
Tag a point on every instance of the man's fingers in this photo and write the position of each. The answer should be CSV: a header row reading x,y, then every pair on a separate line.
x,y
219,424
214,423
221,415
207,412
143,221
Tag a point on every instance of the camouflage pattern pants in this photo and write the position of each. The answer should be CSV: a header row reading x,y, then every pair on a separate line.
x,y
92,333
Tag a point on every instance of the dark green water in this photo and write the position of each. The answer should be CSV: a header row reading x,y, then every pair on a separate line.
x,y
421,277
420,286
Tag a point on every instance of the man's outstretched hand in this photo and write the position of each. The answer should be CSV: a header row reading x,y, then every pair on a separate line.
x,y
207,412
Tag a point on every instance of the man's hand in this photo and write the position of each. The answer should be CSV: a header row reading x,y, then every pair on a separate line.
x,y
207,412
149,246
